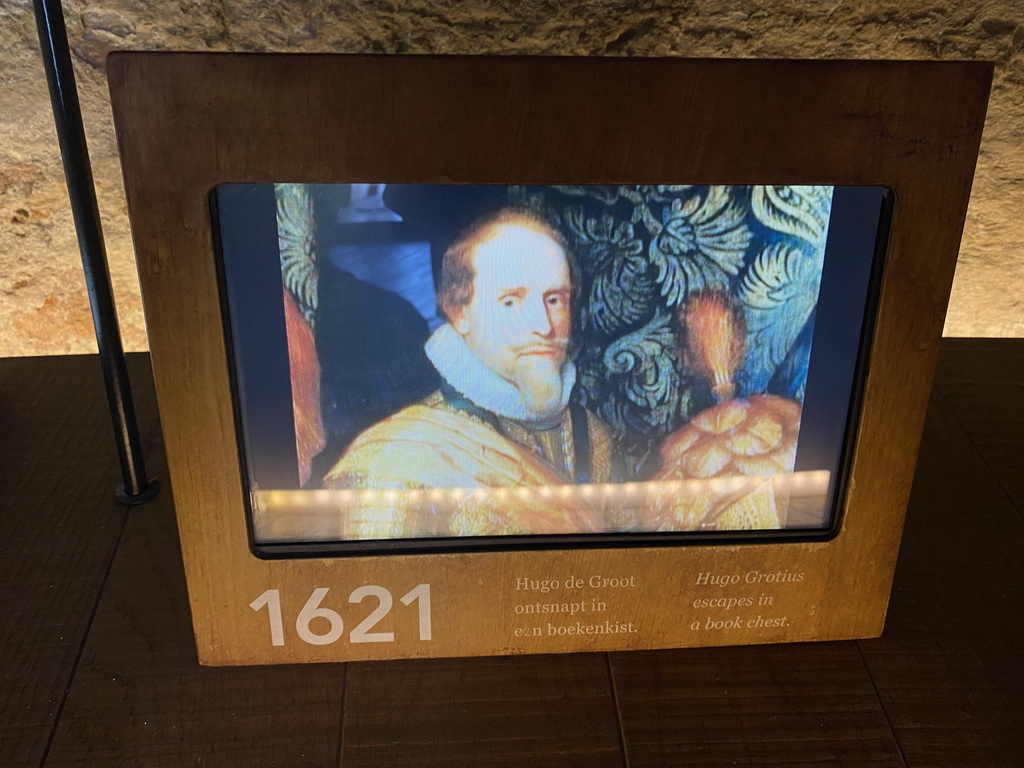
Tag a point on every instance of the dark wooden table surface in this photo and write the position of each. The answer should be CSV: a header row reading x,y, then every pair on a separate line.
x,y
98,667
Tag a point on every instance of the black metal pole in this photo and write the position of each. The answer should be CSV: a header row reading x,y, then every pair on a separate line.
x,y
137,488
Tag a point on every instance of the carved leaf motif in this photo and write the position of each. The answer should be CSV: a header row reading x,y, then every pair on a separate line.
x,y
620,290
605,195
619,297
602,240
672,188
762,245
800,211
296,234
645,361
779,293
701,245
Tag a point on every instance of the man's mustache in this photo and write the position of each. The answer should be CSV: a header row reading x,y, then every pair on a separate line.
x,y
554,347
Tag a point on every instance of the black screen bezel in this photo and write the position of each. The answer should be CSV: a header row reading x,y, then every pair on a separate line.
x,y
363,547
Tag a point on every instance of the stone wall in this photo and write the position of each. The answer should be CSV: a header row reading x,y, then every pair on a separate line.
x,y
43,305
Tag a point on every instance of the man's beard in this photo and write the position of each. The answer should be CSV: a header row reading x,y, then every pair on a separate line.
x,y
539,380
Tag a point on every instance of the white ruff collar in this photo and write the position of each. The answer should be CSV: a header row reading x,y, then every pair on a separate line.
x,y
457,364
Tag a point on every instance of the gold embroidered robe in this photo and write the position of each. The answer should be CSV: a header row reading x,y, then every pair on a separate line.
x,y
433,469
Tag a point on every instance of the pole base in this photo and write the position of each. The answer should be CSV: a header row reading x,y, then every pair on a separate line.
x,y
148,494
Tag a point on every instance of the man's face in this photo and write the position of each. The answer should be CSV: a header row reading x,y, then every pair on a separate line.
x,y
518,320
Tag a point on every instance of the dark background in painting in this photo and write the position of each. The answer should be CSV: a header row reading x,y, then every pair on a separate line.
x,y
252,299
369,339
370,328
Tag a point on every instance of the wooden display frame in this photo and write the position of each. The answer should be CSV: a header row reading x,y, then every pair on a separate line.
x,y
188,122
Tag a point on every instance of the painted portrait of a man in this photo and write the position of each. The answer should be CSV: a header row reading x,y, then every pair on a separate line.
x,y
484,361
504,415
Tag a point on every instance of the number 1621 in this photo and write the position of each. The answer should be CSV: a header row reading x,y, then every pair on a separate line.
x,y
271,600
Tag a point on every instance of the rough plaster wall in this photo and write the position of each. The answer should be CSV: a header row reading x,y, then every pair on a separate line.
x,y
43,306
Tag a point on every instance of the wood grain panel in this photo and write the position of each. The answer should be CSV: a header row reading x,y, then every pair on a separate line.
x,y
756,706
140,697
188,122
950,666
59,526
535,710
